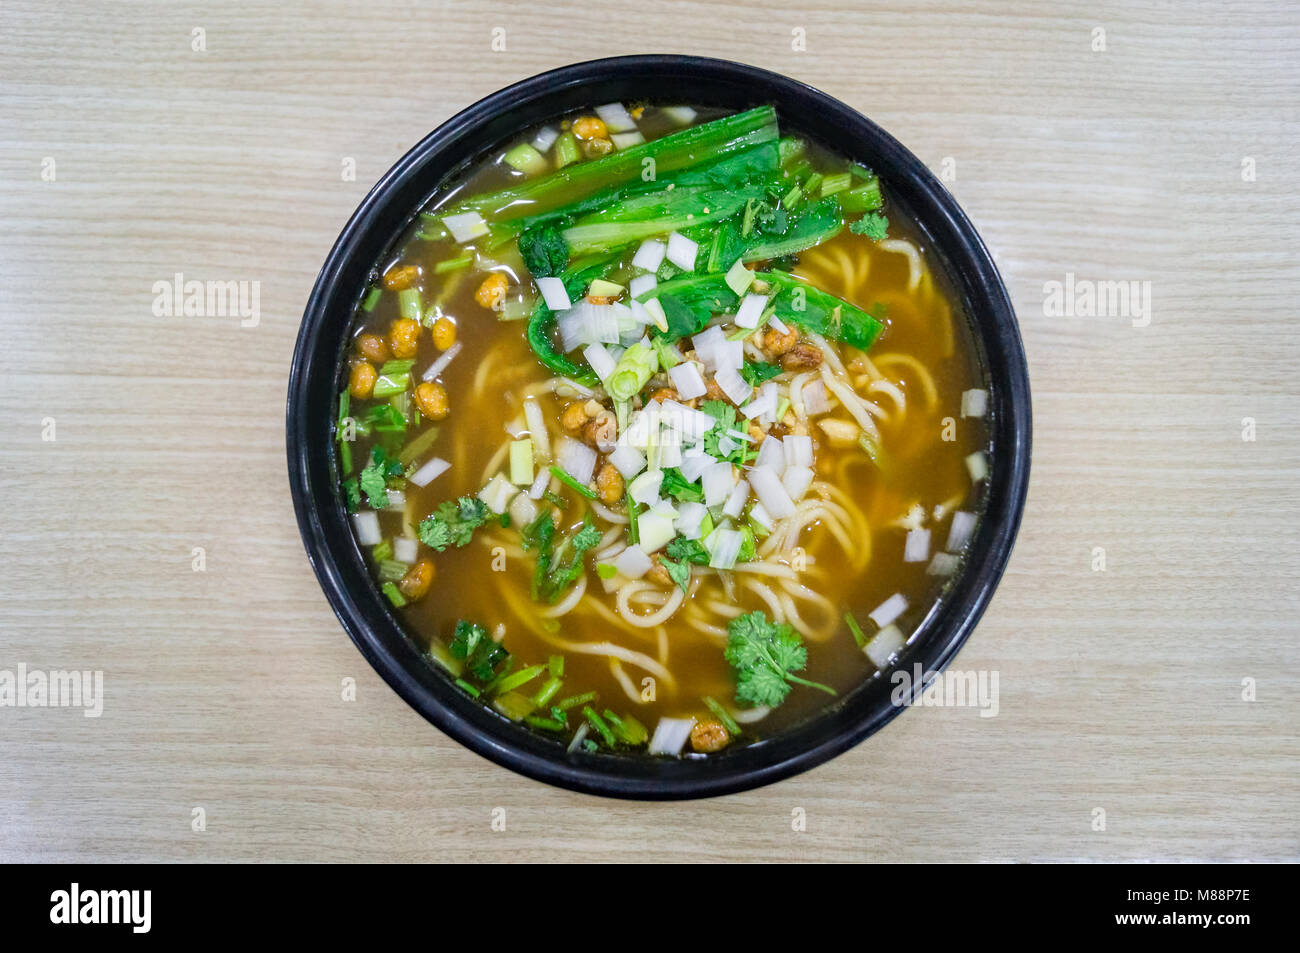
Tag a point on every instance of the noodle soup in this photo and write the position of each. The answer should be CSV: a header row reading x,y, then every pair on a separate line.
x,y
659,431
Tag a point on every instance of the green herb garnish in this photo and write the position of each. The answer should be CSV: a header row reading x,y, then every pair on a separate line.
x,y
764,655
482,656
454,522
873,225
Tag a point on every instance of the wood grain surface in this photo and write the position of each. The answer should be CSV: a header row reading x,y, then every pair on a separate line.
x,y
1161,691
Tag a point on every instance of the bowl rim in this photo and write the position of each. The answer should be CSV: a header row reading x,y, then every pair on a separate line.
x,y
380,636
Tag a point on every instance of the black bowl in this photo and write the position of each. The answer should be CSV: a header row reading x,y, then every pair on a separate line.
x,y
316,378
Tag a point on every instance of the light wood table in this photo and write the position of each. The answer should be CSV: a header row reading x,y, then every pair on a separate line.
x,y
1121,690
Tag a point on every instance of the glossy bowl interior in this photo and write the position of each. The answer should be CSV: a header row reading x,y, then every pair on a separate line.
x,y
316,378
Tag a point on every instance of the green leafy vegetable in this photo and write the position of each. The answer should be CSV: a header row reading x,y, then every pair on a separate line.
x,y
558,565
727,419
375,475
481,654
676,485
765,655
756,372
544,250
679,572
454,522
351,494
688,550
687,148
873,225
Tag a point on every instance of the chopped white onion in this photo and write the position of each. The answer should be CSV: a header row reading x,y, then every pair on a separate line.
x,y
733,385
405,549
657,315
718,483
706,343
366,523
889,610
538,489
682,251
627,460
682,115
974,403
815,400
616,117
641,284
554,294
736,501
626,140
750,310
396,500
763,405
576,459
767,486
688,380
884,645
798,450
943,564
523,510
729,355
430,471
670,736
959,531
650,255
778,325
587,323
466,227
654,530
692,424
917,547
440,363
690,517
694,463
633,562
772,455
758,514
546,138
537,430
796,481
645,488
498,493
977,465
724,546
599,360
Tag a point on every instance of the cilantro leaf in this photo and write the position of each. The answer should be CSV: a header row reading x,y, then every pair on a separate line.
x,y
676,485
688,550
351,494
757,372
873,225
482,655
374,484
764,655
726,418
454,522
680,573
434,533
555,574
